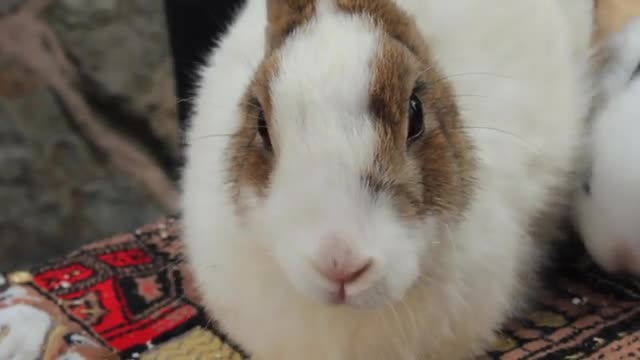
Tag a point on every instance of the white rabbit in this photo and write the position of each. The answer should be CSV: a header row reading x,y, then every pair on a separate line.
x,y
607,201
363,176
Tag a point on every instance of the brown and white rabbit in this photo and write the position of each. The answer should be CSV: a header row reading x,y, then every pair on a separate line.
x,y
363,176
607,201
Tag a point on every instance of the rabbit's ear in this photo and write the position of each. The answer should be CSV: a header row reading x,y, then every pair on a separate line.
x,y
284,16
393,20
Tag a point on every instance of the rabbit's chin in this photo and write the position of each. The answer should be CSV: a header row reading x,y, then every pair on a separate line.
x,y
371,296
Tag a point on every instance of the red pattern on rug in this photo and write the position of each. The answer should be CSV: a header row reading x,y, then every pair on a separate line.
x,y
132,297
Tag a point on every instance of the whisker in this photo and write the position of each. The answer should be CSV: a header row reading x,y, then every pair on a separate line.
x,y
252,127
402,331
179,101
431,280
449,237
210,136
522,139
480,96
410,314
457,75
531,146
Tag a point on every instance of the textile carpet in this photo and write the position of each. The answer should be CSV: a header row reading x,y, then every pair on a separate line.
x,y
131,297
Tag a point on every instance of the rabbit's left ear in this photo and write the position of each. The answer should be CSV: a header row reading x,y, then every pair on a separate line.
x,y
284,16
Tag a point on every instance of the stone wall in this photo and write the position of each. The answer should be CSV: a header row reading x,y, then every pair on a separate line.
x,y
88,124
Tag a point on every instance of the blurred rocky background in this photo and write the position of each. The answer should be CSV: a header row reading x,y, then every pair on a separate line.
x,y
88,123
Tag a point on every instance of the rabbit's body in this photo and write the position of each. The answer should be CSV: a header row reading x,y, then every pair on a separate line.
x,y
607,201
446,271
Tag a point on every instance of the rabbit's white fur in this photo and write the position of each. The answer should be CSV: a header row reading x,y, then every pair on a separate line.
x,y
607,202
519,70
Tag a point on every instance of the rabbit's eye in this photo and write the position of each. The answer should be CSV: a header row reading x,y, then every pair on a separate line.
x,y
586,187
263,131
416,119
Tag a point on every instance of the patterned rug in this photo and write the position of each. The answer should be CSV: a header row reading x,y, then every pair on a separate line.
x,y
131,297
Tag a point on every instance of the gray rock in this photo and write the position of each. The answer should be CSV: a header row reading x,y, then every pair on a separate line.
x,y
120,44
7,6
57,194
56,191
124,46
89,8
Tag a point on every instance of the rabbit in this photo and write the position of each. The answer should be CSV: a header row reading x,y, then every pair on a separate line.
x,y
363,178
607,200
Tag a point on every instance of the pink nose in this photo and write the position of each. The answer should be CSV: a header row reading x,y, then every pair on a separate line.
x,y
343,273
339,260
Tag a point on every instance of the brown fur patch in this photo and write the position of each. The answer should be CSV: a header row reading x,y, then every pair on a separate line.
x,y
283,17
434,174
393,20
251,163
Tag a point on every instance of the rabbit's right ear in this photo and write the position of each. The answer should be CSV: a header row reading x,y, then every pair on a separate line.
x,y
284,16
